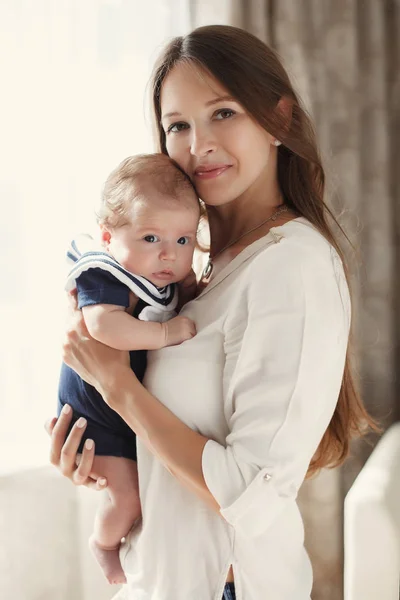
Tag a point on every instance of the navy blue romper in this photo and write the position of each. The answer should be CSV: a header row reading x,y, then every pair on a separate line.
x,y
112,436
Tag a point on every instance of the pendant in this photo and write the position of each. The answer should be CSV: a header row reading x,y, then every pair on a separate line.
x,y
208,269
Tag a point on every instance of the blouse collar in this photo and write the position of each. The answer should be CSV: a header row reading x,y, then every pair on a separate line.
x,y
273,236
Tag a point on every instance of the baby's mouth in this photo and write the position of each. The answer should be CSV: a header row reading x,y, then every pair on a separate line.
x,y
164,273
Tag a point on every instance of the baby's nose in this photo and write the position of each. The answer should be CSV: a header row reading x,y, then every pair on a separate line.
x,y
168,252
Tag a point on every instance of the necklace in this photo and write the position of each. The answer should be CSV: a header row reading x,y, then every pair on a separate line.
x,y
210,265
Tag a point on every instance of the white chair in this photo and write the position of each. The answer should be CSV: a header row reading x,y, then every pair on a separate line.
x,y
372,525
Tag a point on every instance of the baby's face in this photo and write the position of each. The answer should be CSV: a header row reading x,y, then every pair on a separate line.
x,y
159,241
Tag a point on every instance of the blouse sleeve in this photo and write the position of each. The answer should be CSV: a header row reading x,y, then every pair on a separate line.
x,y
284,386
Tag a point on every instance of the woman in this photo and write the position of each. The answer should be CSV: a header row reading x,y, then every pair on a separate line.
x,y
230,423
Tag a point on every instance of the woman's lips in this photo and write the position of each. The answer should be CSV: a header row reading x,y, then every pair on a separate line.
x,y
210,172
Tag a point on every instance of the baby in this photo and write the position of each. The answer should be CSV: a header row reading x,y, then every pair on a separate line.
x,y
148,221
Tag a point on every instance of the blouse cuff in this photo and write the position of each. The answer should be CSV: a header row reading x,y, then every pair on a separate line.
x,y
258,503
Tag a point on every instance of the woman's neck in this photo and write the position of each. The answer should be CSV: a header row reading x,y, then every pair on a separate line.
x,y
232,220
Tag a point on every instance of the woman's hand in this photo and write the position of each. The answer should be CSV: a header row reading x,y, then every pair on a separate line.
x,y
95,363
63,452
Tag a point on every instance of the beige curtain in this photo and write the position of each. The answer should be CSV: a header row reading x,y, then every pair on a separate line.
x,y
344,59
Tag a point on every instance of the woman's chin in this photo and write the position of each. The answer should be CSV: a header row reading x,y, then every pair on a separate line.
x,y
216,199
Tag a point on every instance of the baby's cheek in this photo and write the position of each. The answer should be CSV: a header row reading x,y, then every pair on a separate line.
x,y
186,264
133,262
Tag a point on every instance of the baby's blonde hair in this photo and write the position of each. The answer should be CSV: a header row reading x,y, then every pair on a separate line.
x,y
135,177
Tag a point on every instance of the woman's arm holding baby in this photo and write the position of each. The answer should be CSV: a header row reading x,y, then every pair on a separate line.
x,y
113,326
177,446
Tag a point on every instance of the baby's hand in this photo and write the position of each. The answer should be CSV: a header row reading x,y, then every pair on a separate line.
x,y
178,330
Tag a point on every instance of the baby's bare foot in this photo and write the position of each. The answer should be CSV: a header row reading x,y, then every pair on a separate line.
x,y
108,559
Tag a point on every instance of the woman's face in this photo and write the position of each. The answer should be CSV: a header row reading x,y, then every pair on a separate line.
x,y
212,138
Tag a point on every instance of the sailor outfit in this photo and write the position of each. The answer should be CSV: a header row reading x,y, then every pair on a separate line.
x,y
100,279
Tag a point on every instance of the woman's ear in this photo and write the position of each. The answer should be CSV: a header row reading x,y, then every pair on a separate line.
x,y
105,235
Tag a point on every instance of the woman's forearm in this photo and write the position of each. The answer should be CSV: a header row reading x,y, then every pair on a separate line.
x,y
177,446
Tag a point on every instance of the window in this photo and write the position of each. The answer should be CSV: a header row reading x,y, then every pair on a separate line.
x,y
73,106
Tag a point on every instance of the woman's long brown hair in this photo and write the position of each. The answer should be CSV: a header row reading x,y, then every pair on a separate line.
x,y
254,75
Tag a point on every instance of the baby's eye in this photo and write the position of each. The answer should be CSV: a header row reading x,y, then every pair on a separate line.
x,y
177,127
183,240
151,239
224,113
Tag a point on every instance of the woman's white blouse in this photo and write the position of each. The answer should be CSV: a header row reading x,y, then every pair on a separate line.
x,y
261,380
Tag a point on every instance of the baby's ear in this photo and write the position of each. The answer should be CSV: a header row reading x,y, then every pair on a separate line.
x,y
105,235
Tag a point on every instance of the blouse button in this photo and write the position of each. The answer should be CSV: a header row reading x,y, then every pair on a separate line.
x,y
267,476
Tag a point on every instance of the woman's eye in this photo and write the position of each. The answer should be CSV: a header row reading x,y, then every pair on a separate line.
x,y
151,239
224,113
177,127
183,241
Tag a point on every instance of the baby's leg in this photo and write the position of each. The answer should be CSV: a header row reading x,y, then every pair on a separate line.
x,y
117,513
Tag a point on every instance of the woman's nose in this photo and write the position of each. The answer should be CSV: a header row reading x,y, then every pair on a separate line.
x,y
202,143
